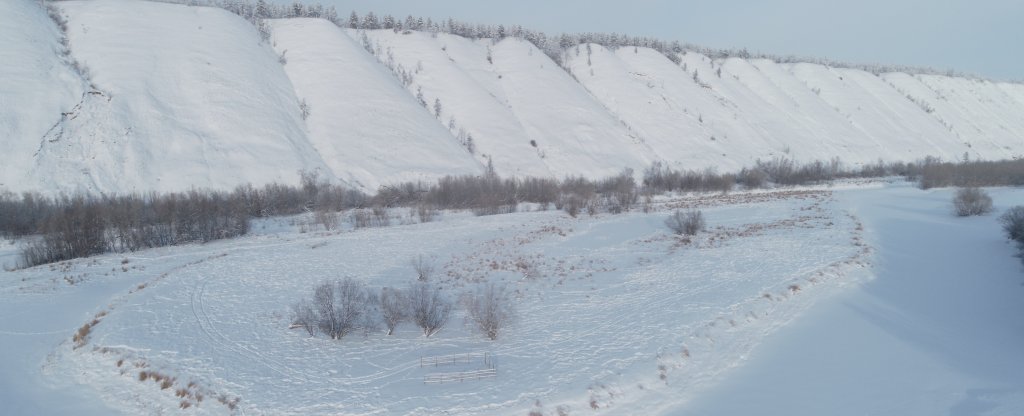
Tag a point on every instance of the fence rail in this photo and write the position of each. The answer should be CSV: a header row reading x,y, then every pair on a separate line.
x,y
438,378
453,359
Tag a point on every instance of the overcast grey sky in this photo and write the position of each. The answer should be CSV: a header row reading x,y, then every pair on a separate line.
x,y
984,37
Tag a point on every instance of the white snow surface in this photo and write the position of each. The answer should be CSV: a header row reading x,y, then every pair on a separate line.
x,y
189,97
37,84
368,129
173,97
937,331
855,296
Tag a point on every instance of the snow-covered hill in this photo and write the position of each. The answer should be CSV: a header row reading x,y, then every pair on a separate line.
x,y
37,84
369,131
169,97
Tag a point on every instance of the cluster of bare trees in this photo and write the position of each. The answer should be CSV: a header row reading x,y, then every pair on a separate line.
x,y
661,178
77,226
339,308
934,173
490,194
780,171
68,227
82,226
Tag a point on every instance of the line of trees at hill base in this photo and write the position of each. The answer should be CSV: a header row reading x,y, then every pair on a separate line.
x,y
54,229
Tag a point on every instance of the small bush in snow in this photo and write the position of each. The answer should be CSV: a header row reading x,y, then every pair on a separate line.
x,y
328,219
304,316
1013,224
971,201
424,267
361,218
686,223
427,213
490,310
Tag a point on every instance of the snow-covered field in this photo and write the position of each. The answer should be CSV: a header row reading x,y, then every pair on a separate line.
x,y
615,315
936,331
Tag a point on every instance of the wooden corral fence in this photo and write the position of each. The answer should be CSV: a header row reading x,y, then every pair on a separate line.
x,y
489,370
438,378
452,359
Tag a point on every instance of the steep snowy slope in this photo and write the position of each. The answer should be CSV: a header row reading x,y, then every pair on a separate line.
x,y
898,128
766,122
835,135
36,86
184,96
792,116
494,130
570,129
520,108
682,121
369,130
980,113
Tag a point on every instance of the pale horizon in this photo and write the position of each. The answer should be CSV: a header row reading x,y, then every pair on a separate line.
x,y
976,38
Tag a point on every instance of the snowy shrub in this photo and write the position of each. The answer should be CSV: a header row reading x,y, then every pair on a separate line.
x,y
571,205
424,267
394,307
686,223
328,219
426,213
361,218
304,109
380,216
971,201
304,316
428,308
1013,223
490,310
752,178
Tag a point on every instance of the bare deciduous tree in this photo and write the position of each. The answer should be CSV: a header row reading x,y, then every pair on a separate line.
x,y
428,308
490,309
394,307
305,316
340,307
